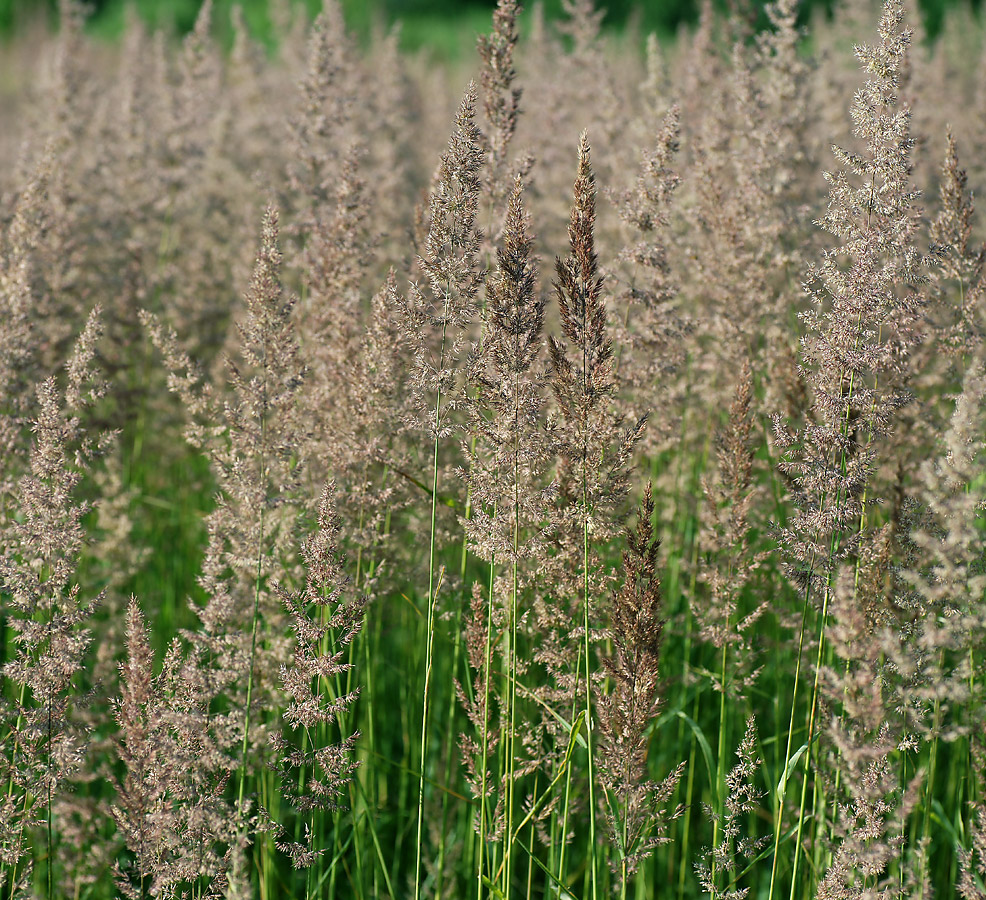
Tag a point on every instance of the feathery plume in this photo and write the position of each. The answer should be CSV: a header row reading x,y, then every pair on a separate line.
x,y
509,452
44,606
864,319
145,747
501,99
594,450
325,621
731,562
866,302
742,798
637,815
650,332
252,440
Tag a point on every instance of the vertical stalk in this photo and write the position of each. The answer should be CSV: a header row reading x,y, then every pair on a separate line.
x,y
566,803
256,591
779,816
720,761
512,647
488,653
430,624
585,607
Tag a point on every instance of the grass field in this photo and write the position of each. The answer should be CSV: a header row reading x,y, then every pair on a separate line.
x,y
528,477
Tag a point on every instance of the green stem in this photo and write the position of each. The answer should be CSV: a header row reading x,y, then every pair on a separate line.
x,y
256,593
566,802
430,625
720,761
488,653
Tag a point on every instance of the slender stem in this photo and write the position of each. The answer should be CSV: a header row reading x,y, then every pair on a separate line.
x,y
488,653
623,848
588,714
779,816
530,847
566,802
512,652
720,760
929,789
430,625
450,732
585,606
256,595
51,843
809,739
689,789
249,696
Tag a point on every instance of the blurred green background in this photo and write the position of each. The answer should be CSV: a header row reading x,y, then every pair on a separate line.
x,y
445,27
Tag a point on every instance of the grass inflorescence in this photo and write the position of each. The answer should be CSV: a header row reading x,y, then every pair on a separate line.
x,y
557,479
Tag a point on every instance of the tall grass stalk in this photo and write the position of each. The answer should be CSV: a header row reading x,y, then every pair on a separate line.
x,y
449,262
524,709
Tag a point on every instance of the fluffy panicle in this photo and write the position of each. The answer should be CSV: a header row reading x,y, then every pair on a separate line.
x,y
657,84
201,823
255,457
501,99
357,405
448,260
863,323
507,475
435,322
637,815
866,301
509,453
868,827
43,538
337,251
787,97
176,749
199,72
249,429
738,246
731,561
594,449
646,207
389,112
435,316
651,330
858,681
962,274
143,810
336,244
19,318
583,23
252,438
789,163
952,227
719,874
319,127
325,621
572,84
378,393
938,689
67,91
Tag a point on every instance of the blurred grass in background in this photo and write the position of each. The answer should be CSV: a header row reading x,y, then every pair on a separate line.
x,y
442,27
